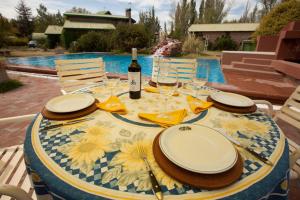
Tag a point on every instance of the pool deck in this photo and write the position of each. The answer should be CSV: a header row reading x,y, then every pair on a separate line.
x,y
31,98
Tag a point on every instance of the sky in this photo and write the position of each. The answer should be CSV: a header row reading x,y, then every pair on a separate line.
x,y
162,7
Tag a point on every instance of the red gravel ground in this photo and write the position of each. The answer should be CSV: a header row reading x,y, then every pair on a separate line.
x,y
31,97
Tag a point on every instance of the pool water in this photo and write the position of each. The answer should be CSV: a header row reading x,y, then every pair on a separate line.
x,y
215,74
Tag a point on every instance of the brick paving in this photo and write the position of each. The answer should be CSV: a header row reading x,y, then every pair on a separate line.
x,y
31,97
28,99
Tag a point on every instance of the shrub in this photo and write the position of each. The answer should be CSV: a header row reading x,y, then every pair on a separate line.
x,y
9,85
126,37
53,41
281,15
95,41
15,41
224,42
70,35
192,44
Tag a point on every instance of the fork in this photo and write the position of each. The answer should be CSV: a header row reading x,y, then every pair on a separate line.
x,y
155,186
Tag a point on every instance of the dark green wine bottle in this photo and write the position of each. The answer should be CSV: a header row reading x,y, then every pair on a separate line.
x,y
134,77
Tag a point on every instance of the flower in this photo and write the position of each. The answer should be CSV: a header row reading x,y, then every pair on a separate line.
x,y
231,126
96,133
129,156
85,153
257,126
66,130
244,125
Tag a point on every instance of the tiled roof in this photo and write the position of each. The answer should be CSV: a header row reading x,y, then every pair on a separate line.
x,y
223,27
53,30
88,25
98,16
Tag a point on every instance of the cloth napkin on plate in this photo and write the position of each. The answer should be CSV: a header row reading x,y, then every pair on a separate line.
x,y
156,90
198,105
165,119
114,105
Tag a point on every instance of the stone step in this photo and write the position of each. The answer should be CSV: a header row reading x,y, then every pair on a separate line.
x,y
249,66
259,61
251,73
288,68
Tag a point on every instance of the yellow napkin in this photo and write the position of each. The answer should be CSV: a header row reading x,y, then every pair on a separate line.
x,y
173,118
198,105
156,90
113,104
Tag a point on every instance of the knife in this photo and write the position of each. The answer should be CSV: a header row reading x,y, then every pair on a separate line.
x,y
66,123
250,150
155,186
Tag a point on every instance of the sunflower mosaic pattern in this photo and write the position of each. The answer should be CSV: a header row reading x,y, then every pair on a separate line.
x,y
103,152
90,155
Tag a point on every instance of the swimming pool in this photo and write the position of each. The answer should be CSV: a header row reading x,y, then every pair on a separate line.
x,y
215,75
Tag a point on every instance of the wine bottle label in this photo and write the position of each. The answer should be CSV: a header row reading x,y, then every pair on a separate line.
x,y
134,81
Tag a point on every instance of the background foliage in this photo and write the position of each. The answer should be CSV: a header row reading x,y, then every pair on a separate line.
x,y
280,16
224,42
193,45
126,37
95,41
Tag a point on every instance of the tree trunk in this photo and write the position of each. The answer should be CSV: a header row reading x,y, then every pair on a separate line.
x,y
3,74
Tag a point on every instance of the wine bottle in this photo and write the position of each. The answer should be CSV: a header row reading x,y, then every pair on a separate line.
x,y
134,77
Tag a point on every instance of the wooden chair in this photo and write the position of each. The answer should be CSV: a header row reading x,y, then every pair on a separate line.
x,y
290,113
186,67
76,74
14,180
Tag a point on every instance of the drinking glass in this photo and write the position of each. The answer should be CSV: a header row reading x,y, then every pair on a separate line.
x,y
167,82
112,76
200,77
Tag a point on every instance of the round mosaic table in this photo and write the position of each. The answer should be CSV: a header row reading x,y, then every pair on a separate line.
x,y
98,159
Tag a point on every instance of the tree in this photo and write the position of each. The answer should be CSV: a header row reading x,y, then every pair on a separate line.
x,y
253,14
79,10
278,17
201,12
43,19
165,28
215,11
125,37
24,19
193,12
151,23
182,19
5,29
245,16
267,6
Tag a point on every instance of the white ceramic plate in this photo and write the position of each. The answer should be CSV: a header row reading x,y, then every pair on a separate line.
x,y
69,103
232,99
198,148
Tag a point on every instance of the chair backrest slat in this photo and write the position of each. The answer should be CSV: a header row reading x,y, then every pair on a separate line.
x,y
186,67
79,72
290,111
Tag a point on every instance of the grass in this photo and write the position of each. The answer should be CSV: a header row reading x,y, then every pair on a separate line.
x,y
9,85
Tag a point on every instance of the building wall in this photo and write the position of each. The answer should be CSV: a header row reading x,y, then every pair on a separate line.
x,y
238,37
98,20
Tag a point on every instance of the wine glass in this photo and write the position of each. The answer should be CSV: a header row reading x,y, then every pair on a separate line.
x,y
112,76
200,77
167,83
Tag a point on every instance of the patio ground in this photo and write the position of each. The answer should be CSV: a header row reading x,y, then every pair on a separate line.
x,y
31,98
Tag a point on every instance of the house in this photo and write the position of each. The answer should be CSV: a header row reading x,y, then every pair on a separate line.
x,y
77,24
238,31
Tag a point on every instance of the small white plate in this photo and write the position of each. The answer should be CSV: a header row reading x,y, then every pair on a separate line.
x,y
69,103
198,149
232,99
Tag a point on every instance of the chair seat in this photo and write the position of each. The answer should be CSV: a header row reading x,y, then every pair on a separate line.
x,y
13,170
